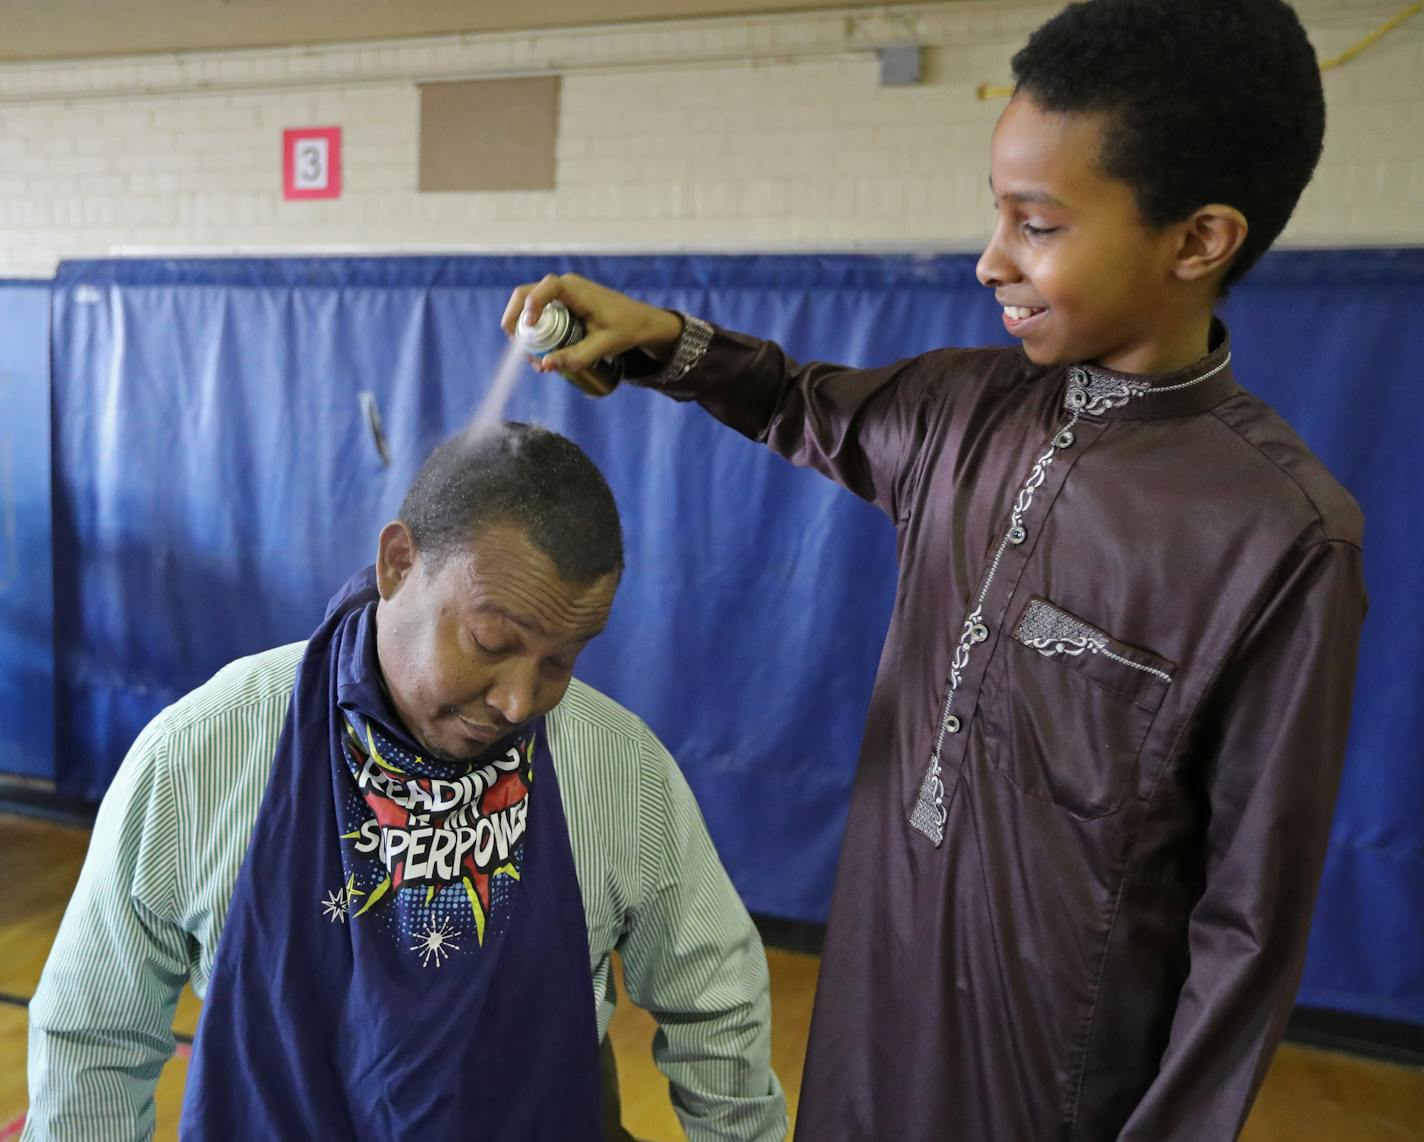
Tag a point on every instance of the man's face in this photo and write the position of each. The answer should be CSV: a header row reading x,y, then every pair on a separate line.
x,y
476,643
1081,277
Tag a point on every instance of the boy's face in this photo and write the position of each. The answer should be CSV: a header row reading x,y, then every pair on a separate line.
x,y
1080,276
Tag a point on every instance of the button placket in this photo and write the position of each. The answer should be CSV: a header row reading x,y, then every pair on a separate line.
x,y
1035,497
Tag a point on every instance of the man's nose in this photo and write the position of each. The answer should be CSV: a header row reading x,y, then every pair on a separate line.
x,y
513,690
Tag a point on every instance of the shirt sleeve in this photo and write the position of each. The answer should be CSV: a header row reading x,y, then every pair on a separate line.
x,y
101,1020
694,960
1276,742
863,428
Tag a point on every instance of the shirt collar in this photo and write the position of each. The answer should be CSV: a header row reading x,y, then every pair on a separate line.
x,y
1094,391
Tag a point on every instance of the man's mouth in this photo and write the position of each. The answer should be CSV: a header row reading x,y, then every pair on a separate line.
x,y
479,732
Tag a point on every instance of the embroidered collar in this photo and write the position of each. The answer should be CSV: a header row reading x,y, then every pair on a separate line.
x,y
1095,391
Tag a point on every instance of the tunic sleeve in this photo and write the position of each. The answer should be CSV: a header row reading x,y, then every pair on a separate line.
x,y
863,428
1273,739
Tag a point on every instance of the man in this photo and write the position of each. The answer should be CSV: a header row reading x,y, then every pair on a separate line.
x,y
395,939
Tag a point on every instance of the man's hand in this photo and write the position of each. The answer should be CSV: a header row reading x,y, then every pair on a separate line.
x,y
614,322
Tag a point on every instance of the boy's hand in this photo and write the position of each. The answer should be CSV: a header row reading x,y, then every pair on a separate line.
x,y
614,322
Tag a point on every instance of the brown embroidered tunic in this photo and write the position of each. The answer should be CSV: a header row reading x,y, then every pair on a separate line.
x,y
1102,752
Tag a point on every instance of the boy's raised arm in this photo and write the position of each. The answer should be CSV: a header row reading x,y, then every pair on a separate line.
x,y
863,428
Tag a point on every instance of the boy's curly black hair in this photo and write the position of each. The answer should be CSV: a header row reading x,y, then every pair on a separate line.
x,y
1210,101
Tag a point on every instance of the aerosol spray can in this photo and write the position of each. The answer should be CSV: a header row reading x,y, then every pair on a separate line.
x,y
557,328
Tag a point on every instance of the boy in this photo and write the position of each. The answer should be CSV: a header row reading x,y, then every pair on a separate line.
x,y
1101,756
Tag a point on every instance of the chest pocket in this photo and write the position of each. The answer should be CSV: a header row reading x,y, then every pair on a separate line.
x,y
1073,709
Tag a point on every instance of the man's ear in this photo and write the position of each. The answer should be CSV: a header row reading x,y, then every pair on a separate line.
x,y
1211,239
396,556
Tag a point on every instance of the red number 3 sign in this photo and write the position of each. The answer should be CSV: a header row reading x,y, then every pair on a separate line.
x,y
311,162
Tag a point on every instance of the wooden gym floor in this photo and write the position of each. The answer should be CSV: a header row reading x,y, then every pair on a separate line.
x,y
1309,1095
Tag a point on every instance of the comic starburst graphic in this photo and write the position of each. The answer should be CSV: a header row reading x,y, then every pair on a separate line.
x,y
338,903
335,905
435,943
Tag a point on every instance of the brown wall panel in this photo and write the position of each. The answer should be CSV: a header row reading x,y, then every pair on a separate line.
x,y
489,134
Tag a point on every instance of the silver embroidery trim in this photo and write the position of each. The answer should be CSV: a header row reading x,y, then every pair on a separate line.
x,y
1043,623
1089,394
928,813
686,356
1094,393
1050,631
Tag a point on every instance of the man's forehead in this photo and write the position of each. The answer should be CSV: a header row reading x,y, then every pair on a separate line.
x,y
533,596
576,619
500,572
529,620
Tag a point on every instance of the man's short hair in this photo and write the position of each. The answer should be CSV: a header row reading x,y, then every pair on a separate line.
x,y
1210,101
518,474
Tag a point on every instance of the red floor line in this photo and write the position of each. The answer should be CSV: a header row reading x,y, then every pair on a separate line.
x,y
183,1051
12,1129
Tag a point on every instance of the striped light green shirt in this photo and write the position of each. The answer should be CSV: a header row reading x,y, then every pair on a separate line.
x,y
171,834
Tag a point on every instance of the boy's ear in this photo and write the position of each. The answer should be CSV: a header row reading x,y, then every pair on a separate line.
x,y
1210,240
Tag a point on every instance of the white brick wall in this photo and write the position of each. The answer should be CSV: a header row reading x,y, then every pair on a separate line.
x,y
761,133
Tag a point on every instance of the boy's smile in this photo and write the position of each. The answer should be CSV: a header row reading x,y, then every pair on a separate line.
x,y
1017,318
1081,277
